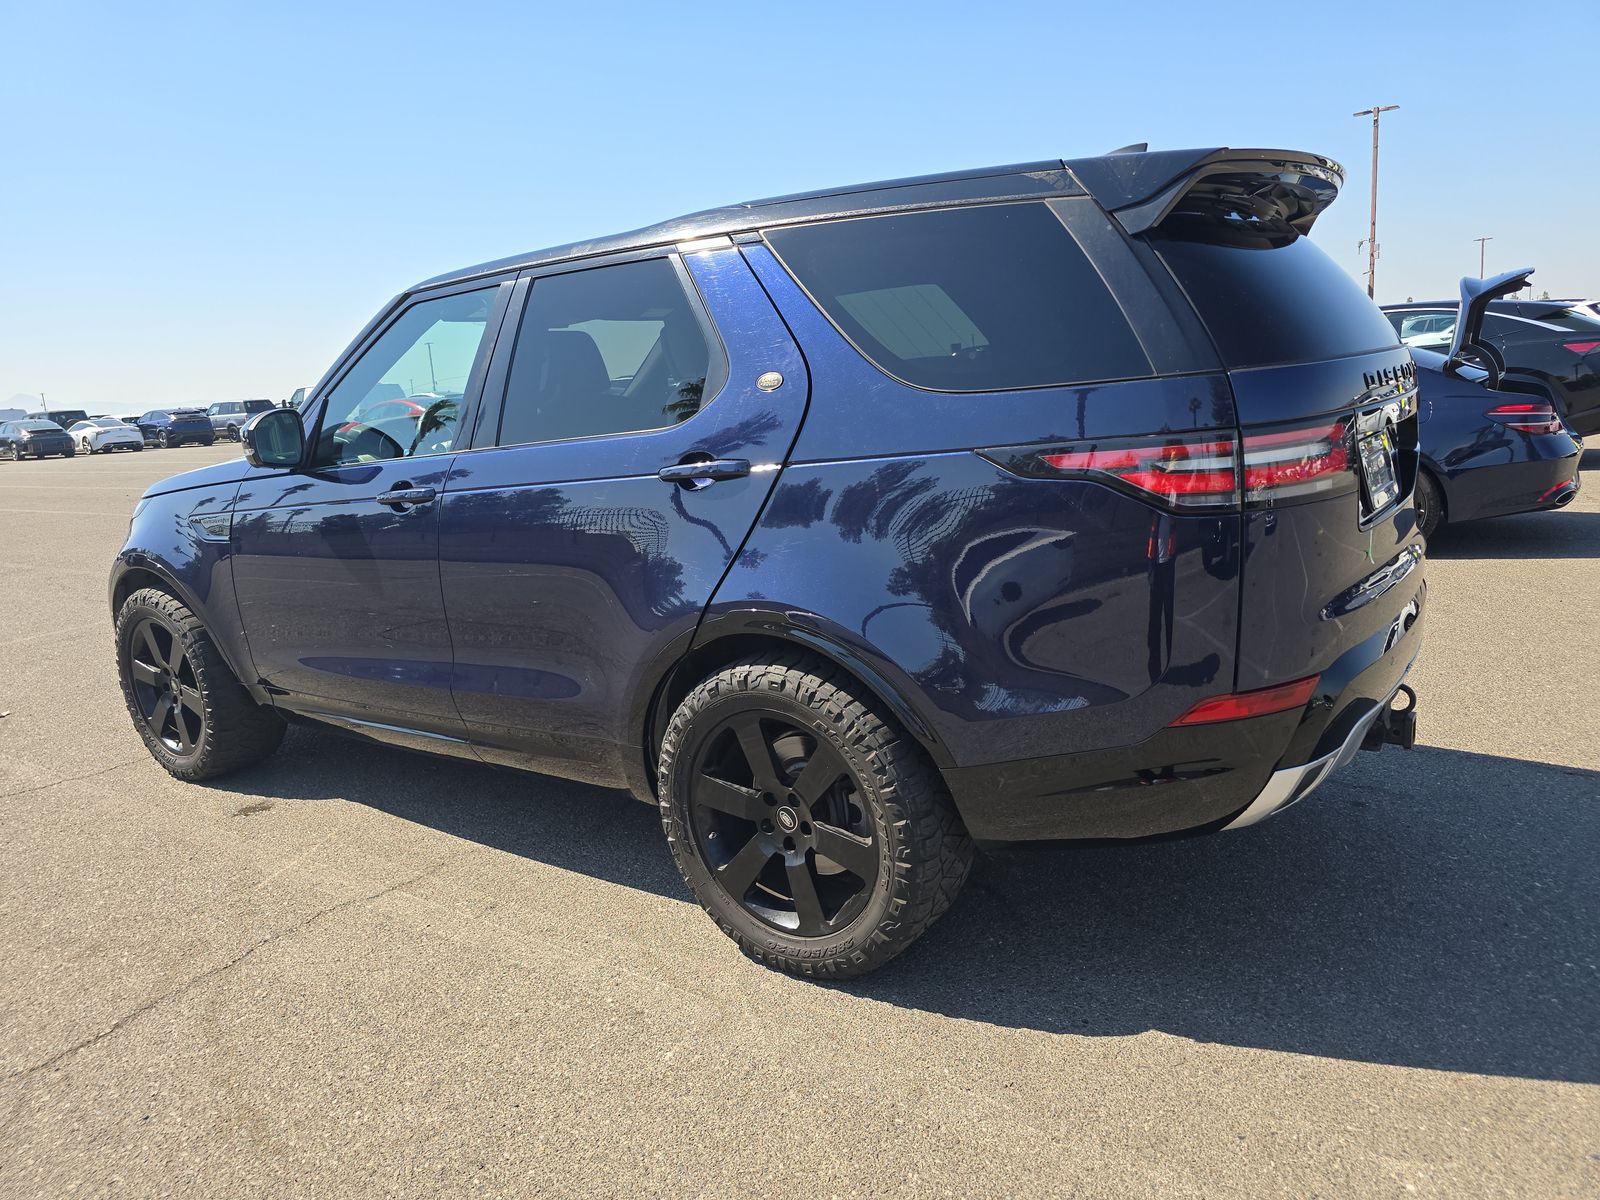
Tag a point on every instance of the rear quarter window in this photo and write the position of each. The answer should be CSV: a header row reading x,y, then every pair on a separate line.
x,y
1268,295
975,299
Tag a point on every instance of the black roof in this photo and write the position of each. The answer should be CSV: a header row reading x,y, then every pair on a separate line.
x,y
1126,180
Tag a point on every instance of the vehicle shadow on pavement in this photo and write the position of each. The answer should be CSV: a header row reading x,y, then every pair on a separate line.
x,y
1561,533
600,832
1437,909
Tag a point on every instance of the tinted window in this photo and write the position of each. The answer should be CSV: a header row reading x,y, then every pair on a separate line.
x,y
1268,295
423,361
611,350
1575,320
966,299
255,406
39,426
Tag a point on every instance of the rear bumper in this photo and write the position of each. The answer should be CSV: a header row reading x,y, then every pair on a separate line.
x,y
1503,488
1199,778
1289,785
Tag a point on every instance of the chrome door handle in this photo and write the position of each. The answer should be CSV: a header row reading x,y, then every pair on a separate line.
x,y
706,472
407,497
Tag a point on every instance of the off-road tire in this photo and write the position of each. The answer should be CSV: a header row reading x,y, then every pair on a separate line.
x,y
925,852
237,732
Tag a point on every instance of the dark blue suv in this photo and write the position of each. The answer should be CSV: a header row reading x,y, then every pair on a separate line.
x,y
1068,499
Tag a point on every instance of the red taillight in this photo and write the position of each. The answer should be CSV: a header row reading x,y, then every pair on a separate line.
x,y
1204,470
1181,470
1581,347
1526,418
1258,703
1297,462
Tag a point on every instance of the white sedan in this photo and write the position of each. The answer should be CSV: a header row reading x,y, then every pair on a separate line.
x,y
105,433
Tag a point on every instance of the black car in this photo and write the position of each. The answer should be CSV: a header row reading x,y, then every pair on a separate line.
x,y
34,439
229,416
173,427
1492,442
1068,499
64,417
1555,343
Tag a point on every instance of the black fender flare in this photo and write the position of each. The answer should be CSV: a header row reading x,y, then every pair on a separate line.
x,y
729,636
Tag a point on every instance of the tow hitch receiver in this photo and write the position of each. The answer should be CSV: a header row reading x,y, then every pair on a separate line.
x,y
1395,726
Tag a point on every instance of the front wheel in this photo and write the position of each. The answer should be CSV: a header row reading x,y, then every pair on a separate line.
x,y
192,712
813,831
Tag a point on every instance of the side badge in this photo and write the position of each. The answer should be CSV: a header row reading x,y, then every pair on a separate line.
x,y
769,381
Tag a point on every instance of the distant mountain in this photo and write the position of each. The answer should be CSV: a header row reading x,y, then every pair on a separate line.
x,y
23,400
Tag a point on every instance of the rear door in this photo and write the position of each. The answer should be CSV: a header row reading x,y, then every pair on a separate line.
x,y
568,562
1326,399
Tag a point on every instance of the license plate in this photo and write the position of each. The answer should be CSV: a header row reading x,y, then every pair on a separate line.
x,y
1376,453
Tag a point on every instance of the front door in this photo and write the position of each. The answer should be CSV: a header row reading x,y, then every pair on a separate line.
x,y
336,565
568,561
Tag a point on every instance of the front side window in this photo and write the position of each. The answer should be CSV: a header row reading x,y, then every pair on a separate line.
x,y
967,299
616,349
402,399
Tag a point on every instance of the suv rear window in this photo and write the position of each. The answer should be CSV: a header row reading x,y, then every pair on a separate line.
x,y
1268,295
965,299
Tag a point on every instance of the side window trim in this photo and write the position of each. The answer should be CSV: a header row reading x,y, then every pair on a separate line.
x,y
471,394
491,412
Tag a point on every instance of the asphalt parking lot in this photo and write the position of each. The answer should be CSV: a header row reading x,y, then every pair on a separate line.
x,y
356,971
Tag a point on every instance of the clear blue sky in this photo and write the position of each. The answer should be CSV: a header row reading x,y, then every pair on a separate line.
x,y
202,202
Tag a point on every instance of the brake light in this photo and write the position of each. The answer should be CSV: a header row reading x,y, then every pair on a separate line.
x,y
1186,471
1203,471
1526,418
1297,462
1580,347
1259,703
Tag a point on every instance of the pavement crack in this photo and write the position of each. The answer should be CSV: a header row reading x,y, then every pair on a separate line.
x,y
207,976
39,787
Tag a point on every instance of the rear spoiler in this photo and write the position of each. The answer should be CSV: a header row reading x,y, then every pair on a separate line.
x,y
1475,297
1142,189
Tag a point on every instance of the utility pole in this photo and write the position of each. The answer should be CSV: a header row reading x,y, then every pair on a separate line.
x,y
431,374
1372,230
1480,242
42,404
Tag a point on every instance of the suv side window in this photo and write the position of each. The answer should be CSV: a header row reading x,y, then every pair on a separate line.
x,y
616,349
971,299
421,362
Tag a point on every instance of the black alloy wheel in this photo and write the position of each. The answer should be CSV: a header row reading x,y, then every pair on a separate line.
x,y
810,827
1429,503
777,815
166,690
195,717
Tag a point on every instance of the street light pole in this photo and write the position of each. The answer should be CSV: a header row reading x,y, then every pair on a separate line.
x,y
1372,230
432,377
1480,242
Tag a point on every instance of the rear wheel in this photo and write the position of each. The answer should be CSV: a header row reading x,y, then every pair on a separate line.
x,y
233,433
816,835
194,716
162,439
1429,501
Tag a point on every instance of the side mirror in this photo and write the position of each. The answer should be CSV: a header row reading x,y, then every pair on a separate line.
x,y
274,439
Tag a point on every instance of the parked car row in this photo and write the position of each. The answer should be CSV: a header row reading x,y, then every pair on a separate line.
x,y
41,435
